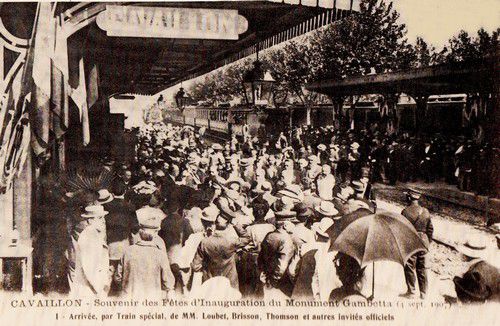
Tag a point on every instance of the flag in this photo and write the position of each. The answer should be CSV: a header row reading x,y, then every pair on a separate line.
x,y
79,96
43,47
92,82
59,79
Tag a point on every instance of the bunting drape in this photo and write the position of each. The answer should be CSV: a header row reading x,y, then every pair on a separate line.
x,y
34,103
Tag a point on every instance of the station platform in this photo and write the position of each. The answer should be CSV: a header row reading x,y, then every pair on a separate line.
x,y
447,200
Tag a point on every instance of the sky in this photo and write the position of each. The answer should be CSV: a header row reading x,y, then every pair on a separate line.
x,y
438,20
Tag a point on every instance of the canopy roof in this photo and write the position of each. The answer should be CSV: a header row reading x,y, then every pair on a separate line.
x,y
466,77
149,65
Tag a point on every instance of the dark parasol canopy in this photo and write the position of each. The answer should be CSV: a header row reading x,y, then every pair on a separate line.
x,y
375,237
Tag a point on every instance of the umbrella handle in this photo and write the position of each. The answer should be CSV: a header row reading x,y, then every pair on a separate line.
x,y
373,280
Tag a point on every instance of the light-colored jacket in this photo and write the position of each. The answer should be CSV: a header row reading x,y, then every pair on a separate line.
x,y
92,274
145,271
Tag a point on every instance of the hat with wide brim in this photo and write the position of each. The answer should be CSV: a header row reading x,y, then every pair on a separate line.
x,y
150,217
244,162
413,194
358,186
475,246
104,196
326,208
225,210
289,193
210,213
94,211
286,215
323,225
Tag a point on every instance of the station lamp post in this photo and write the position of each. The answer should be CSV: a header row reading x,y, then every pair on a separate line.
x,y
258,85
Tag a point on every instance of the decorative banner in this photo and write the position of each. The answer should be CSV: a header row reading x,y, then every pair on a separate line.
x,y
165,22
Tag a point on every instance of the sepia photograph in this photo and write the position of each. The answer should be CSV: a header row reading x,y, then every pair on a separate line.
x,y
250,162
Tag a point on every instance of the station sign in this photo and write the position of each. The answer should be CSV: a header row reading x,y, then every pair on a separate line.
x,y
169,22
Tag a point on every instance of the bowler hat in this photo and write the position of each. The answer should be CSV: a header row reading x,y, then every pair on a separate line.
x,y
472,287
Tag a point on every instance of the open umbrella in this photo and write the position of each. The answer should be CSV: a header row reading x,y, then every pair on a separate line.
x,y
375,237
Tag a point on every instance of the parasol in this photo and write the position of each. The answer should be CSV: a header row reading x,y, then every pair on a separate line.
x,y
383,236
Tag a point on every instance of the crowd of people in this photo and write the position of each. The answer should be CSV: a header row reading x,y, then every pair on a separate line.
x,y
250,217
456,160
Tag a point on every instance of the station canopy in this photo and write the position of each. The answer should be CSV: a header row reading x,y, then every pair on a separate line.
x,y
162,56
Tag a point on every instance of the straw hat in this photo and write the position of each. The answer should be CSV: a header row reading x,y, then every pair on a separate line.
x,y
150,217
322,226
217,147
475,246
326,208
210,213
94,211
413,194
104,196
286,215
322,147
289,193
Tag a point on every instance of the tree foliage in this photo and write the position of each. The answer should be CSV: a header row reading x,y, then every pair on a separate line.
x,y
369,41
464,47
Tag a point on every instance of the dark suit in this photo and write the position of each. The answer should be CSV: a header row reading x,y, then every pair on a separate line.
x,y
420,218
119,224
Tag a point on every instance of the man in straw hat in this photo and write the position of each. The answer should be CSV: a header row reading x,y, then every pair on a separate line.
x,y
325,183
316,272
216,254
144,270
91,274
420,218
